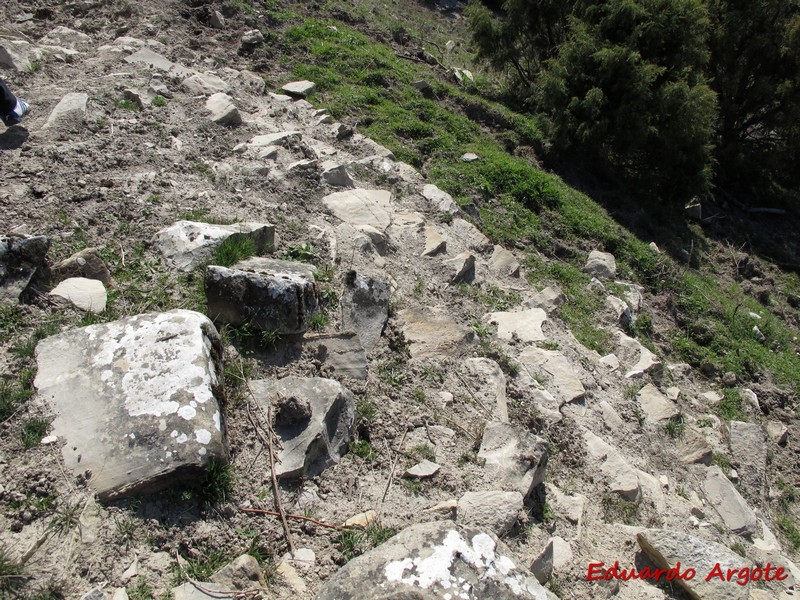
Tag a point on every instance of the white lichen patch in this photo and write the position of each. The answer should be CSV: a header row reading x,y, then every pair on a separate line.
x,y
203,436
436,569
148,360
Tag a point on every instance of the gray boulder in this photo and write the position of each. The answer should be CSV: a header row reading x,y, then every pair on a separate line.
x,y
187,244
223,110
432,332
668,548
336,175
461,268
440,199
495,510
314,422
366,308
601,264
515,458
431,561
135,400
749,449
299,89
268,294
361,207
655,405
20,259
728,503
206,84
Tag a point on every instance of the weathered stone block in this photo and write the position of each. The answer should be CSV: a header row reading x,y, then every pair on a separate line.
x,y
136,400
268,294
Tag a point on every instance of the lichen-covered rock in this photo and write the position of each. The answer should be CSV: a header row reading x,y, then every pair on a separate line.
x,y
267,294
431,561
135,400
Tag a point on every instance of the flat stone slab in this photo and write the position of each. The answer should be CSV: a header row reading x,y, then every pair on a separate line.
x,y
549,299
620,475
434,242
361,207
728,502
422,470
314,439
515,458
136,400
265,293
431,332
223,109
206,84
87,294
341,353
432,561
553,366
299,88
655,405
525,325
187,244
366,308
69,113
748,443
668,548
638,359
692,448
272,139
504,263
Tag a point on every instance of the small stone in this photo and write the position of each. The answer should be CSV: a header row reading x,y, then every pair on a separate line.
x,y
504,262
461,268
216,20
601,264
729,379
434,242
300,89
87,294
251,39
440,199
361,519
469,157
223,110
95,594
777,432
244,573
86,263
422,470
336,175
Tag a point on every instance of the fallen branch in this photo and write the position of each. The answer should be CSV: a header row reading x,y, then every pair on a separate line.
x,y
276,491
261,511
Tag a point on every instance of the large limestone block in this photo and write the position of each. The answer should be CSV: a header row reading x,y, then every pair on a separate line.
x,y
18,54
494,510
601,264
273,139
268,294
314,420
693,448
668,548
562,381
69,113
728,502
299,88
655,405
187,244
361,207
749,449
223,109
468,234
431,561
525,325
515,458
620,476
431,332
136,400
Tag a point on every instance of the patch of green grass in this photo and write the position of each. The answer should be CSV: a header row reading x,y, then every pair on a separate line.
x,y
159,101
12,396
11,573
391,373
217,484
141,590
65,518
197,214
722,461
788,527
730,407
491,296
482,330
705,423
354,542
204,170
126,104
365,410
419,395
232,250
200,568
413,486
675,427
364,450
788,493
33,430
423,452
740,549
303,252
319,321
618,510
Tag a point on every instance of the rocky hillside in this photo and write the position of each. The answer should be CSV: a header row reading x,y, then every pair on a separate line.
x,y
248,351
